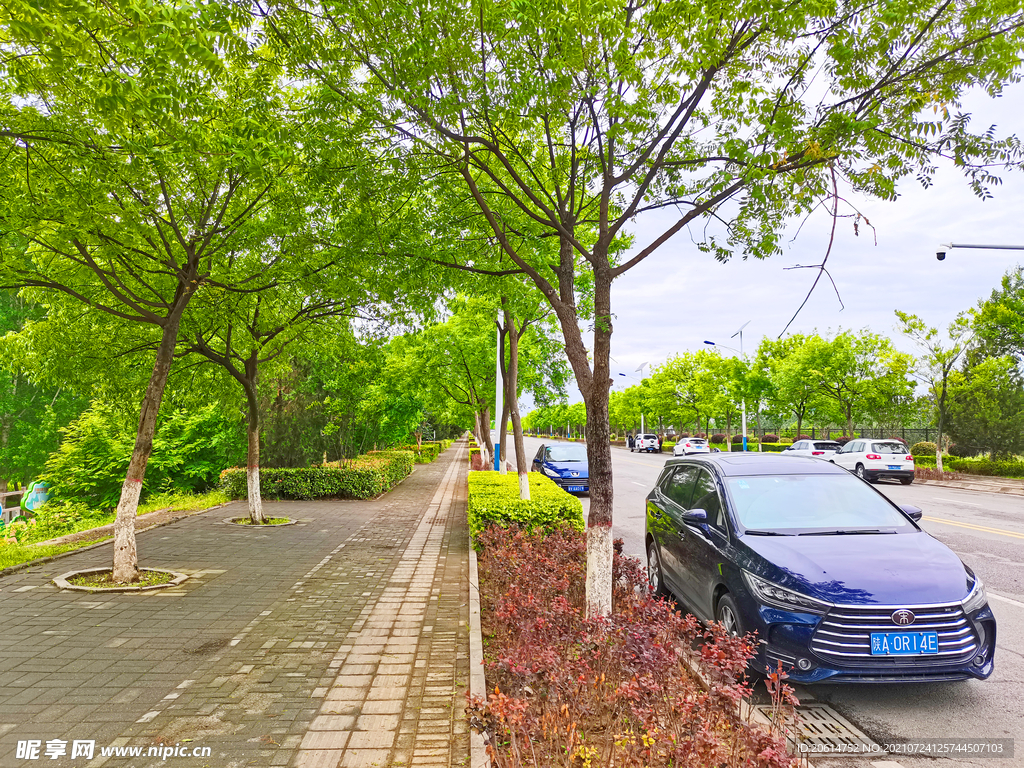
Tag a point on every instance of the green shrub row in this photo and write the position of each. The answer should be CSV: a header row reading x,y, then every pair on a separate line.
x,y
494,499
924,448
982,467
364,477
425,453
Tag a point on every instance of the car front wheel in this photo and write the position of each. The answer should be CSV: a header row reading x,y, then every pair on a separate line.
x,y
728,615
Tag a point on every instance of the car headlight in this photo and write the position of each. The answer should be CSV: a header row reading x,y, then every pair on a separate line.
x,y
551,473
976,598
780,597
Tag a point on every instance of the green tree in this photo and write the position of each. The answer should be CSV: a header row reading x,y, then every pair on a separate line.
x,y
999,321
586,116
986,408
939,358
136,164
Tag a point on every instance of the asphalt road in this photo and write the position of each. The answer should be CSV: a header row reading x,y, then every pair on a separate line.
x,y
987,531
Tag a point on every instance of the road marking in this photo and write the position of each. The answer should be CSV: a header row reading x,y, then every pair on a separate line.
x,y
973,527
957,501
640,484
1009,600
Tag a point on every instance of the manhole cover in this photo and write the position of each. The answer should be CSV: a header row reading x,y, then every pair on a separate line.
x,y
821,726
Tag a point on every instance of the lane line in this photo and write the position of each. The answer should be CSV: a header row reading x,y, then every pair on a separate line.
x,y
957,501
1002,599
973,527
642,485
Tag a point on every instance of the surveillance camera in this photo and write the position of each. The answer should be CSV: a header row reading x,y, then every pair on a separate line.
x,y
941,255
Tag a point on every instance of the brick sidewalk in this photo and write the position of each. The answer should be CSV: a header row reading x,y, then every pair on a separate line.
x,y
340,641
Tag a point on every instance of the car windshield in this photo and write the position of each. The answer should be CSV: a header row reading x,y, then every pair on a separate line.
x,y
809,504
827,446
889,448
698,440
567,453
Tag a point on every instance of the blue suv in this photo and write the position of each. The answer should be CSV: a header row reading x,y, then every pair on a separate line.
x,y
840,584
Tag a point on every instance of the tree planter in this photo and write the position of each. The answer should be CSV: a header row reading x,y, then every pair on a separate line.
x,y
63,583
245,523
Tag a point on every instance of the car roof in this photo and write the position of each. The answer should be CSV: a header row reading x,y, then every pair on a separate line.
x,y
739,463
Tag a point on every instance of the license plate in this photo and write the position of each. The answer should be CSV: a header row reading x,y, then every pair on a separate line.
x,y
904,643
576,488
895,466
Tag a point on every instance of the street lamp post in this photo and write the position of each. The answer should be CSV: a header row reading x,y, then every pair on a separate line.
x,y
639,370
743,401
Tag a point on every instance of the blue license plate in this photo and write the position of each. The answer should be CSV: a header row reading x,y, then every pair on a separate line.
x,y
576,488
895,466
904,643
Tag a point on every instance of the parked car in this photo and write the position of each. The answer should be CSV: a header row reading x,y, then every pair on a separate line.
x,y
687,445
646,442
822,449
839,583
566,464
876,459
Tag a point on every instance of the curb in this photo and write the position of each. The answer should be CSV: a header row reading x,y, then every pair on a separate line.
x,y
477,681
1007,490
63,583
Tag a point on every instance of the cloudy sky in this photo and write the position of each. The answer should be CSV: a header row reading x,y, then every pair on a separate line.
x,y
679,297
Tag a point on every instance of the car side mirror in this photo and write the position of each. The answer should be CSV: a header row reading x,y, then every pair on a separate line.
x,y
696,517
913,512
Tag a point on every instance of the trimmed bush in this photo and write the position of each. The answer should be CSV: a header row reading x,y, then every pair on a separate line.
x,y
843,440
770,439
494,499
684,434
924,448
775,447
424,454
718,438
802,437
364,477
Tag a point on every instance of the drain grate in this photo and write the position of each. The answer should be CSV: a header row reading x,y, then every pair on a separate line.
x,y
821,726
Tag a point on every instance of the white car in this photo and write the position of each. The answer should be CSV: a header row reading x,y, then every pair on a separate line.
x,y
875,459
646,442
686,445
820,449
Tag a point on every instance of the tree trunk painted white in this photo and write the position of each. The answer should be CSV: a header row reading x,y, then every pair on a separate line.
x,y
126,558
599,570
252,465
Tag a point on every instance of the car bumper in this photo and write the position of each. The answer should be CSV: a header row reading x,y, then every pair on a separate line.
x,y
894,474
789,641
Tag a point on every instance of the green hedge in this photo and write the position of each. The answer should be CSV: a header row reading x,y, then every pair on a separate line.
x,y
364,477
424,453
982,467
774,447
494,498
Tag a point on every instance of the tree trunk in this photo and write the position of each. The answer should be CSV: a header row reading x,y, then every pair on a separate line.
x,y
126,558
252,466
728,431
512,403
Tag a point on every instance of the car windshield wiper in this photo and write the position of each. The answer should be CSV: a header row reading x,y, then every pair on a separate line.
x,y
854,532
766,533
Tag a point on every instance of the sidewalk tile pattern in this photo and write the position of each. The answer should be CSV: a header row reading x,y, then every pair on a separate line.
x,y
284,647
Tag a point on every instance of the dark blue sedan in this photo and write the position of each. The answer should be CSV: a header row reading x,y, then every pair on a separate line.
x,y
839,583
566,464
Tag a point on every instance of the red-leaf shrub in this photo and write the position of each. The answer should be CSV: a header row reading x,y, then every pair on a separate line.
x,y
569,691
843,440
719,438
770,439
803,437
684,434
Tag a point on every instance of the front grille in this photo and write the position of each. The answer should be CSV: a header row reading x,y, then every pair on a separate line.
x,y
844,635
